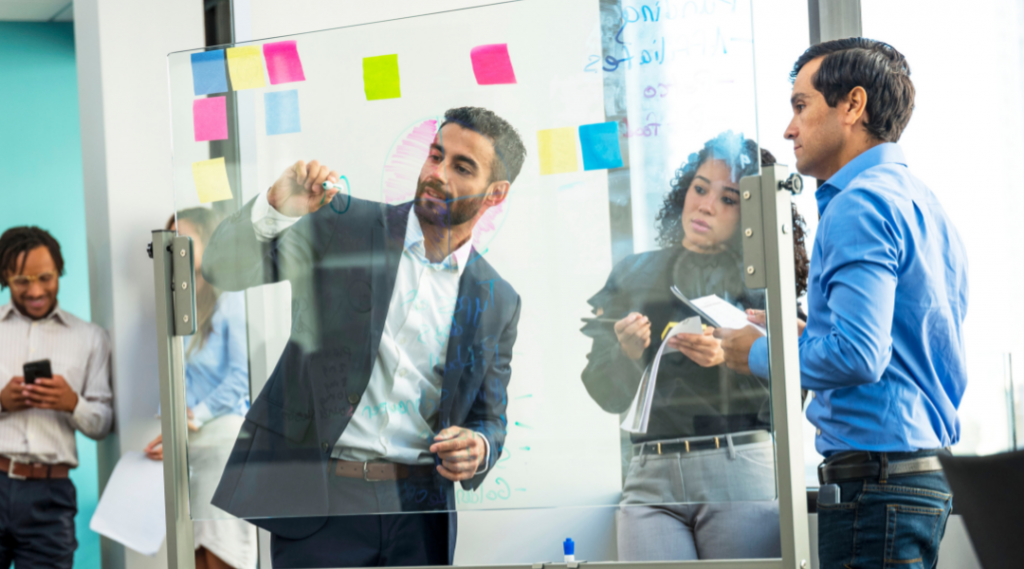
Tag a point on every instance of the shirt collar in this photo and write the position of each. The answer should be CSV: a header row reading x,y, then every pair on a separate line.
x,y
885,153
414,243
7,310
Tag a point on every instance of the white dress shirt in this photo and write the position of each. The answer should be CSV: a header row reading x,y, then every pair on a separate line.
x,y
77,350
402,399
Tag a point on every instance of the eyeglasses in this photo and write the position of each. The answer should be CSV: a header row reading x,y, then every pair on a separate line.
x,y
24,281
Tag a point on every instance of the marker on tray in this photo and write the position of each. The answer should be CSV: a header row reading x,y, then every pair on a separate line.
x,y
569,549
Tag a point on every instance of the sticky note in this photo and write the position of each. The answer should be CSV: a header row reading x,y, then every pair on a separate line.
x,y
210,118
491,64
208,73
600,145
246,67
283,63
380,77
282,111
211,178
557,150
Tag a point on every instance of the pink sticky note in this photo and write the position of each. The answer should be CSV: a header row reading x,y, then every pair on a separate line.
x,y
283,63
491,64
210,118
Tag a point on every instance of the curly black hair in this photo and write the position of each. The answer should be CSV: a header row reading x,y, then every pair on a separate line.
x,y
738,153
18,240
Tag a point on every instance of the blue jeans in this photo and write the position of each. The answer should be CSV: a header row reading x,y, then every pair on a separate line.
x,y
897,523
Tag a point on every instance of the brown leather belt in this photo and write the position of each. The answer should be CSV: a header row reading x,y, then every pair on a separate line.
x,y
33,470
379,471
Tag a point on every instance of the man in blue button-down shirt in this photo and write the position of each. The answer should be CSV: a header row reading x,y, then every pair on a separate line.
x,y
883,349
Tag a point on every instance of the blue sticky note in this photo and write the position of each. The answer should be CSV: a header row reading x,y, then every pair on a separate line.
x,y
282,109
208,72
600,145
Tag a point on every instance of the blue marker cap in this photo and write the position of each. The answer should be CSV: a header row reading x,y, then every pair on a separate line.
x,y
568,547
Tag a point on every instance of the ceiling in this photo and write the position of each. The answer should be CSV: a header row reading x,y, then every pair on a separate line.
x,y
36,11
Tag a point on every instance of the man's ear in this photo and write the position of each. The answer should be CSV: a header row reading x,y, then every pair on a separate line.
x,y
855,106
497,192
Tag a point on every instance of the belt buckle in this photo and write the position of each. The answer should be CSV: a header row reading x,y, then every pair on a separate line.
x,y
366,474
10,470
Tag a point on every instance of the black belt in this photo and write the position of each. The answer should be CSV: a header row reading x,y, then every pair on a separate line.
x,y
699,443
848,468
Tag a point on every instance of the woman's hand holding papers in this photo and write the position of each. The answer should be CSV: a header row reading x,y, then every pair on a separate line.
x,y
705,350
758,317
634,334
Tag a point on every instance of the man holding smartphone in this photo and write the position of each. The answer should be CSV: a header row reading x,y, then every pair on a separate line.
x,y
58,380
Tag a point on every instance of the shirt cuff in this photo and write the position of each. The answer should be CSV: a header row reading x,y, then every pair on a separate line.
x,y
757,359
201,415
487,454
267,222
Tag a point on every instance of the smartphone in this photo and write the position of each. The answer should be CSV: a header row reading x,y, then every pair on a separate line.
x,y
828,494
35,370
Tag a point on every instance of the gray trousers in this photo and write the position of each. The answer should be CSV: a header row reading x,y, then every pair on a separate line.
x,y
711,504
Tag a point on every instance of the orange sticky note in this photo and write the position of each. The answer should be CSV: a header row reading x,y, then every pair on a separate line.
x,y
556,148
245,65
211,178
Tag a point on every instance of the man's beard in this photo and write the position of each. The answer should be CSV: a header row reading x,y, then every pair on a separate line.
x,y
451,212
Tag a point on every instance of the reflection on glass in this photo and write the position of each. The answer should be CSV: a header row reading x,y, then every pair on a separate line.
x,y
702,469
217,398
402,337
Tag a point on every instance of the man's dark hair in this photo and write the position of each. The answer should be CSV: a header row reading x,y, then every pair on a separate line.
x,y
882,71
509,152
18,240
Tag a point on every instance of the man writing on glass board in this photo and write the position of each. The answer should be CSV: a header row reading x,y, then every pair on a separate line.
x,y
393,383
883,348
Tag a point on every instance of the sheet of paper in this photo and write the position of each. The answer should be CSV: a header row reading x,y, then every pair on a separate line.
x,y
131,510
600,145
245,64
556,148
727,315
491,64
380,77
210,118
208,72
283,63
211,177
639,415
282,112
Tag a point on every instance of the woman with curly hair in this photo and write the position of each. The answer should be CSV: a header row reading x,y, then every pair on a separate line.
x,y
701,482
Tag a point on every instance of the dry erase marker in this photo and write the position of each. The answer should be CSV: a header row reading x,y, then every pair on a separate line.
x,y
604,320
328,185
569,549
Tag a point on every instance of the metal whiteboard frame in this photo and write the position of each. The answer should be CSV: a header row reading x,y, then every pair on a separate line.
x,y
829,19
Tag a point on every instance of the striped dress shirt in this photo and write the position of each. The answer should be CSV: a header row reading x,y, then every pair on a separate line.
x,y
80,352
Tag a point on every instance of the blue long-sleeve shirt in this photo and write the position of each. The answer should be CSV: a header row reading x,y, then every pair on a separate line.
x,y
883,349
217,375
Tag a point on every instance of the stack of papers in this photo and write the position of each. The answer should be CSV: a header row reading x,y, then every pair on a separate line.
x,y
131,510
640,410
713,308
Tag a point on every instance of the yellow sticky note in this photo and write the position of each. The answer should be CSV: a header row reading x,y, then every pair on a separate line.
x,y
245,65
211,178
380,77
557,150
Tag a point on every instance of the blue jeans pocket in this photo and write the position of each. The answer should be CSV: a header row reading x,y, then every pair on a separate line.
x,y
914,522
836,535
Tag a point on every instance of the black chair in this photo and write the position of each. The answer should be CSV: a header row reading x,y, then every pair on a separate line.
x,y
989,493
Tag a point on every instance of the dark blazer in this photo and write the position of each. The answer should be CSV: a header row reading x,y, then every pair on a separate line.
x,y
342,270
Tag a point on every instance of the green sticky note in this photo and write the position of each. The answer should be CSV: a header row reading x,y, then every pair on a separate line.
x,y
380,77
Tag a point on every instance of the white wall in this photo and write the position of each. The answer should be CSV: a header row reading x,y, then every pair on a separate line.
x,y
121,48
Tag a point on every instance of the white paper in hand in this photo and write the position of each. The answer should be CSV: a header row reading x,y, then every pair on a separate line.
x,y
640,410
131,510
725,314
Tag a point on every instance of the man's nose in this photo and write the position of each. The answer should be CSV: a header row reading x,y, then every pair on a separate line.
x,y
35,289
791,130
438,172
